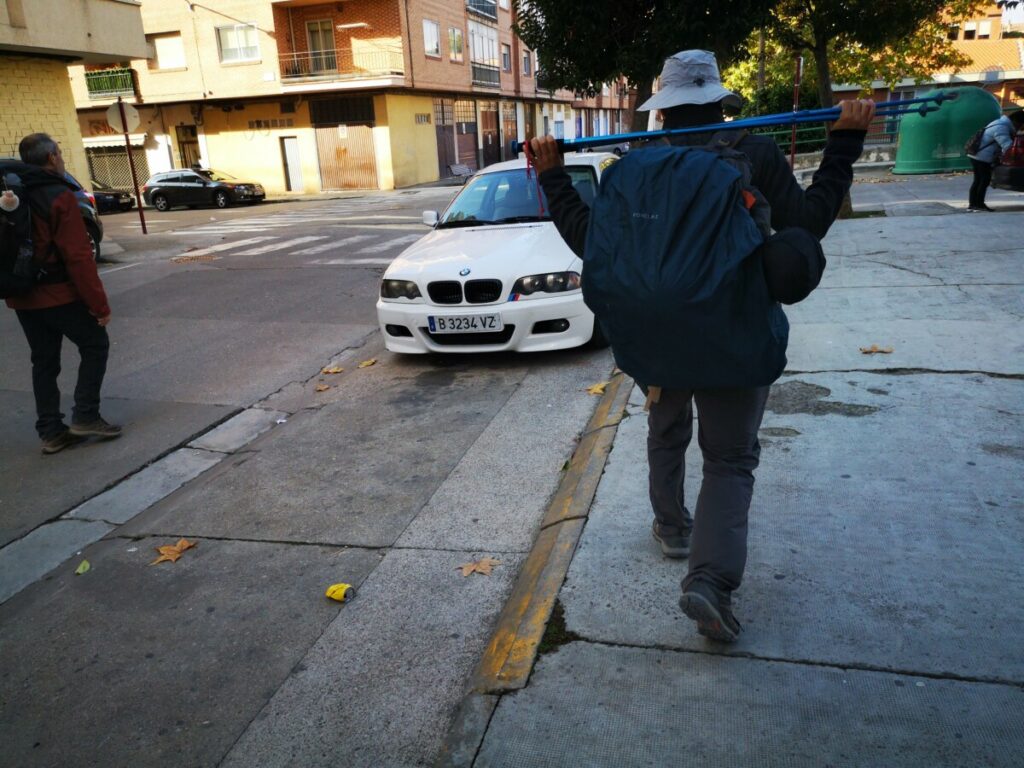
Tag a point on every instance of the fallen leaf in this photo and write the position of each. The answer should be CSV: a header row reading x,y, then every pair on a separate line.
x,y
565,466
340,592
483,565
368,363
322,387
332,369
172,552
83,567
597,389
875,349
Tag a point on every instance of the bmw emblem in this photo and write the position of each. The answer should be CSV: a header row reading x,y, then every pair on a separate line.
x,y
464,271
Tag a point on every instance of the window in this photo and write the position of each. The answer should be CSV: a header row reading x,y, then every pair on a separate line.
x,y
506,58
954,32
170,52
432,38
984,30
970,30
527,63
238,42
455,45
503,4
483,44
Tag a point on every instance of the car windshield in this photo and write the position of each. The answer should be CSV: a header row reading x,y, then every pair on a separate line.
x,y
506,197
215,175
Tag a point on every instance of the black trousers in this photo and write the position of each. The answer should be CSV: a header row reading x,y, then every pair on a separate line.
x,y
45,330
982,178
728,423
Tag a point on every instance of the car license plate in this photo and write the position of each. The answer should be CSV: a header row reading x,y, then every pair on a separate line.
x,y
465,323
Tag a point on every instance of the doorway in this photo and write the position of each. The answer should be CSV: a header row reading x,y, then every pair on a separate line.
x,y
322,55
188,145
292,166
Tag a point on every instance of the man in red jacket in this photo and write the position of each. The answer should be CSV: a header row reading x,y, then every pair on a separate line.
x,y
75,307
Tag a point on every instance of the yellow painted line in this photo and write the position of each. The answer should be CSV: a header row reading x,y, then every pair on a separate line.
x,y
510,655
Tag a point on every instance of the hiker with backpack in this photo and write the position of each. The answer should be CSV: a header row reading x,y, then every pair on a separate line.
x,y
682,272
49,277
984,150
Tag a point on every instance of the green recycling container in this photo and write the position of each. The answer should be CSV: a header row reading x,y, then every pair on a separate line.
x,y
934,143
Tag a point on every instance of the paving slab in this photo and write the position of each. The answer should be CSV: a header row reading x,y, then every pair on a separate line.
x,y
39,488
487,501
596,706
31,557
149,666
354,472
239,430
876,505
381,684
143,489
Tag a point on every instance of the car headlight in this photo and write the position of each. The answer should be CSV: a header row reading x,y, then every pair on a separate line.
x,y
552,282
399,289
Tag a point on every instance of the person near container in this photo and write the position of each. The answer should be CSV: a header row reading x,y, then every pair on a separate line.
x,y
996,139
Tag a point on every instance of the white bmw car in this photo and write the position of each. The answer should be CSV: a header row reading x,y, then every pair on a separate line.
x,y
494,275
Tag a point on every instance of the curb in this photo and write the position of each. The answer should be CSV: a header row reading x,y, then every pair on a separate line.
x,y
510,655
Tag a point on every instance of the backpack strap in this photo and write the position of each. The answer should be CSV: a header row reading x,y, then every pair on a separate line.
x,y
727,139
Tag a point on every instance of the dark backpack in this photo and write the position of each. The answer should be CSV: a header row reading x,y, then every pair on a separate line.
x,y
974,145
671,273
34,192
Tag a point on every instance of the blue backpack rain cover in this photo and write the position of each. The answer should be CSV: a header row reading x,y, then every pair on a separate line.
x,y
670,272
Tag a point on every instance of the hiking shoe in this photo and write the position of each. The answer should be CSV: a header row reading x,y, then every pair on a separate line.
x,y
98,427
58,443
674,543
711,612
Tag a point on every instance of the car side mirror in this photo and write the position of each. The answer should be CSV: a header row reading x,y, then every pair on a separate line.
x,y
430,218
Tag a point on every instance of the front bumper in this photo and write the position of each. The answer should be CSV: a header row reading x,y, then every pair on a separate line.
x,y
519,319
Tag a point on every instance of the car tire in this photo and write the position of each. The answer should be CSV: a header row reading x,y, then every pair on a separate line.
x,y
617,152
597,338
94,241
221,199
161,203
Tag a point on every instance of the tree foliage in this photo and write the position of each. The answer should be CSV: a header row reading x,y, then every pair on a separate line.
x,y
582,44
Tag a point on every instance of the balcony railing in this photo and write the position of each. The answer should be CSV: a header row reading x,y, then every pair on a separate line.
x,y
487,8
486,74
342,64
108,83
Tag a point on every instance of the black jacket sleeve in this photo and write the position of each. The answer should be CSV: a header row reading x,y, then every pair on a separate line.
x,y
570,214
815,208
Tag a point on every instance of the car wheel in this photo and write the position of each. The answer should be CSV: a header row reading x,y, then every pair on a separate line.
x,y
597,338
94,241
617,152
161,203
221,199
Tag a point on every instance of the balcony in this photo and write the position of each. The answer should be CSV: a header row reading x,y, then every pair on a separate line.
x,y
342,64
487,75
110,83
486,8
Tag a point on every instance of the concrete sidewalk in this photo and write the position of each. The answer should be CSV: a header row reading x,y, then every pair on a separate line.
x,y
881,607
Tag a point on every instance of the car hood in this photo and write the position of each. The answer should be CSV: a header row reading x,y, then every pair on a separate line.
x,y
504,252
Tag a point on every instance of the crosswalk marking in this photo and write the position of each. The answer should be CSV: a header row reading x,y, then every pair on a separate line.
x,y
227,246
333,244
378,247
281,246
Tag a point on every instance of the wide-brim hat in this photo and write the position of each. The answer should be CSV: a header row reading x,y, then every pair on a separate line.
x,y
690,77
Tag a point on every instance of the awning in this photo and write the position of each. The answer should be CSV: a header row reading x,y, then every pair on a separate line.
x,y
114,140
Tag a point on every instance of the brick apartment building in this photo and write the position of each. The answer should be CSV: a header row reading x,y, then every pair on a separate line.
x,y
997,62
308,96
34,55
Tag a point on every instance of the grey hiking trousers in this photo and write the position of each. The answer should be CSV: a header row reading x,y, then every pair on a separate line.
x,y
728,421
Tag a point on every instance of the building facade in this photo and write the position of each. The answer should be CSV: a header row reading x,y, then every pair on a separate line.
x,y
38,38
313,96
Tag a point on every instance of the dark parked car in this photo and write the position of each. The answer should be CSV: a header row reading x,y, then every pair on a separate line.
x,y
87,205
187,187
110,200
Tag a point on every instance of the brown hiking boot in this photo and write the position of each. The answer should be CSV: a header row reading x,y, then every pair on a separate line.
x,y
96,428
59,442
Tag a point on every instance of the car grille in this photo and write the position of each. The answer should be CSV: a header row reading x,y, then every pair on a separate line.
x,y
483,291
471,339
445,292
